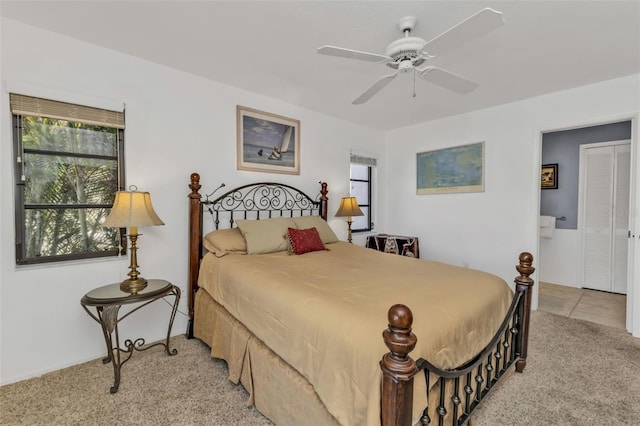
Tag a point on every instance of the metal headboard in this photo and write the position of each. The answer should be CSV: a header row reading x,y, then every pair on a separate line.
x,y
262,200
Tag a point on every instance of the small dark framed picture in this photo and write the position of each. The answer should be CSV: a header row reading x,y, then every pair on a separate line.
x,y
549,176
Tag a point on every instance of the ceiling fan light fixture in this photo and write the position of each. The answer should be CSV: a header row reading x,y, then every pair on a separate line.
x,y
408,53
405,66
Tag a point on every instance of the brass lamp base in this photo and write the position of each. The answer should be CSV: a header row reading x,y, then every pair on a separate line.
x,y
135,283
349,229
133,286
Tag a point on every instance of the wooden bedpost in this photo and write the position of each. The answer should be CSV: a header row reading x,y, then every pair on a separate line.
x,y
398,368
324,200
195,236
523,282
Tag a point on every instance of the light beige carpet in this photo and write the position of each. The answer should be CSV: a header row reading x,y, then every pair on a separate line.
x,y
578,373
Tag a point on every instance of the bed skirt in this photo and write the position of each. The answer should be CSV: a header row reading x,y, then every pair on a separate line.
x,y
275,388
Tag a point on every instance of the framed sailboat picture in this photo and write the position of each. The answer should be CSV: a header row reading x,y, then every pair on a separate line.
x,y
267,142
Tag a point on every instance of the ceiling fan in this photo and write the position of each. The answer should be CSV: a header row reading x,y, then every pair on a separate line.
x,y
409,53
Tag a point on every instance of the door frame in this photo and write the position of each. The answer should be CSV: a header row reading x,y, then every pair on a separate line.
x,y
633,267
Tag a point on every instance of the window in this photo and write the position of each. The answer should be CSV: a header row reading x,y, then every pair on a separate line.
x,y
361,188
68,165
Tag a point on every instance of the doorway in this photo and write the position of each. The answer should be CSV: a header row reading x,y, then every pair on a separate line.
x,y
560,252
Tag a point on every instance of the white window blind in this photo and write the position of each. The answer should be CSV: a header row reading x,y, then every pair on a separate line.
x,y
38,107
360,159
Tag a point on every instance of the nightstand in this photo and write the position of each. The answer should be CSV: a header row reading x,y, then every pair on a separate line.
x,y
107,301
395,244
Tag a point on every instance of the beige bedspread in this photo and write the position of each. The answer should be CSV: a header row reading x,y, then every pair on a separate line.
x,y
324,312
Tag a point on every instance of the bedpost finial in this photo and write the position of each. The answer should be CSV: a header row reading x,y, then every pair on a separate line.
x,y
400,317
398,336
525,269
324,200
323,190
195,184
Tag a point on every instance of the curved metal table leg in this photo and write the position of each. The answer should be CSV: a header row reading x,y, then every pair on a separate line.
x,y
107,317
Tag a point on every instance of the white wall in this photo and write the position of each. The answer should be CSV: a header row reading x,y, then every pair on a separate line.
x,y
176,124
487,230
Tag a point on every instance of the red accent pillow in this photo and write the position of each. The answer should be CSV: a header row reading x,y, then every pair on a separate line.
x,y
305,240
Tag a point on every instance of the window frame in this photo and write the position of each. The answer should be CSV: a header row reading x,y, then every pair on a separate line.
x,y
369,180
19,196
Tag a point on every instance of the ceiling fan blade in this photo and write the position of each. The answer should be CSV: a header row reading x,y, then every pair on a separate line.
x,y
378,85
352,54
447,80
475,26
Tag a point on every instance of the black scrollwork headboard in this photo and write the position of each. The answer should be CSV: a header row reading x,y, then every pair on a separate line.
x,y
261,200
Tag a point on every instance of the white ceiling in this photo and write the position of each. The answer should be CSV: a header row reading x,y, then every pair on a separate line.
x,y
270,47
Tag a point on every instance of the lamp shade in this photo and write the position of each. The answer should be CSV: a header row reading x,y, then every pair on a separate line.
x,y
132,208
349,207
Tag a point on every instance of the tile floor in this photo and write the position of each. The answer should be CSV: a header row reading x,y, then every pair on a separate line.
x,y
590,305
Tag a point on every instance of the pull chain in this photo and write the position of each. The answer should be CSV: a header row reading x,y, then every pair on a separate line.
x,y
414,82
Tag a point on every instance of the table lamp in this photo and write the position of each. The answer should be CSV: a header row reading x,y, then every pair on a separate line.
x,y
348,208
132,209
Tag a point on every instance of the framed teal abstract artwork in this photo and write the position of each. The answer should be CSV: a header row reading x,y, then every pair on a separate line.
x,y
451,170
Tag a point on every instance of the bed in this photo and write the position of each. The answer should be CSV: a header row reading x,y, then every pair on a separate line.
x,y
298,316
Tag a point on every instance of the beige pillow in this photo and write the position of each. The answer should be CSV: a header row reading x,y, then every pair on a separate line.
x,y
326,233
266,235
225,241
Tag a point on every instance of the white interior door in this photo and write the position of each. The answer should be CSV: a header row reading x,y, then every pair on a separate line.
x,y
621,218
605,170
596,231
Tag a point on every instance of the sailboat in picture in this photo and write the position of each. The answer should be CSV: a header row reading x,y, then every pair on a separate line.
x,y
277,152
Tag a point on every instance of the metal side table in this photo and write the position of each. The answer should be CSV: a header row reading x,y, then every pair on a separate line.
x,y
107,300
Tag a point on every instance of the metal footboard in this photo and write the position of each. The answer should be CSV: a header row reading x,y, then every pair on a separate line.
x,y
473,381
462,389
